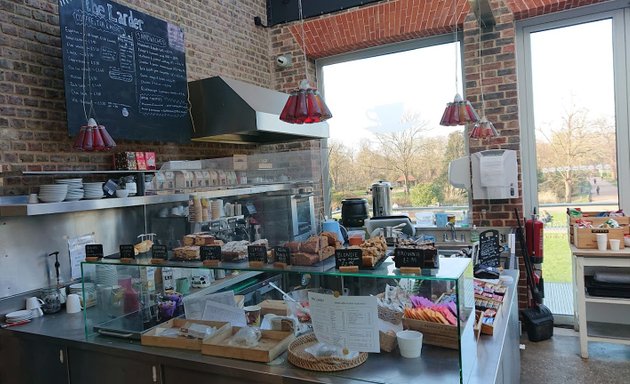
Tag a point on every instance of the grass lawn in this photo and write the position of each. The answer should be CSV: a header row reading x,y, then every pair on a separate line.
x,y
557,258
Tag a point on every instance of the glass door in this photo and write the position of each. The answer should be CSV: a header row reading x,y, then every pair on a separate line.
x,y
570,148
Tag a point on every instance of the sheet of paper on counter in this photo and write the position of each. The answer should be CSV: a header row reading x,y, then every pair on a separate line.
x,y
220,312
347,321
195,304
76,250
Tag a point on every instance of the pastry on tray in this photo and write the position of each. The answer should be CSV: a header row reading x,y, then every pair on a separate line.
x,y
187,252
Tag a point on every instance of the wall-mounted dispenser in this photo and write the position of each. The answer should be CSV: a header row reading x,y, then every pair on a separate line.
x,y
494,174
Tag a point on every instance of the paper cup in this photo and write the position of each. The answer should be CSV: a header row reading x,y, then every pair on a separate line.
x,y
614,244
409,343
73,303
602,240
252,313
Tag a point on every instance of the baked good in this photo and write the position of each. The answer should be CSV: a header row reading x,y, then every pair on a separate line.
x,y
187,252
142,247
294,246
327,252
301,258
331,237
311,245
204,239
189,240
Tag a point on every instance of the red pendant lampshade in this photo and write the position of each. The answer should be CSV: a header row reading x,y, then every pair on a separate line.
x,y
305,106
483,129
459,112
93,137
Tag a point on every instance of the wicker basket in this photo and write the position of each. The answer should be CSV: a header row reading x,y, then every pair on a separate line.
x,y
389,315
298,357
441,335
387,341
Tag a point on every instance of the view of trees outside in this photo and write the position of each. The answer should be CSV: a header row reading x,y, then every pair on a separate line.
x,y
386,127
574,116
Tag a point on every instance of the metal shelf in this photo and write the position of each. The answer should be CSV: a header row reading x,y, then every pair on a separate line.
x,y
17,206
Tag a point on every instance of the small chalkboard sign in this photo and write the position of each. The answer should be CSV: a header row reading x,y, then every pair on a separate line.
x,y
126,251
349,257
159,252
408,257
282,255
93,251
489,248
210,252
257,253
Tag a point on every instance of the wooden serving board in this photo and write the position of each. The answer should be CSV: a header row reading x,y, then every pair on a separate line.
x,y
152,336
270,346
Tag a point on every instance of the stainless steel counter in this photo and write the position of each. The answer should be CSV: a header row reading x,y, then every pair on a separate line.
x,y
437,365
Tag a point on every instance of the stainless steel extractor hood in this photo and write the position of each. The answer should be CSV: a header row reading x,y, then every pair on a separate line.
x,y
228,110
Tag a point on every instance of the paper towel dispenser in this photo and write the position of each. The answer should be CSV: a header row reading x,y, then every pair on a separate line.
x,y
494,174
459,173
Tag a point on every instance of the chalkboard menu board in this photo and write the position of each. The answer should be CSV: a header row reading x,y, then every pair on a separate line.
x,y
94,251
159,251
489,248
349,257
126,251
257,253
408,257
129,66
210,252
282,255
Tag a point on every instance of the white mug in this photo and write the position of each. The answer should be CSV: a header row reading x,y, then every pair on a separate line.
x,y
73,303
37,312
34,302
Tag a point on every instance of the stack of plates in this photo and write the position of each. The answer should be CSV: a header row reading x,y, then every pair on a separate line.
x,y
90,293
52,193
75,188
106,275
93,190
17,316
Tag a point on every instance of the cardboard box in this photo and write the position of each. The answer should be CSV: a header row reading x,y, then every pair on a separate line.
x,y
586,238
140,161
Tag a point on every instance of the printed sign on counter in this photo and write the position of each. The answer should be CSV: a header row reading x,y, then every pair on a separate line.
x,y
346,321
257,253
282,255
210,252
126,251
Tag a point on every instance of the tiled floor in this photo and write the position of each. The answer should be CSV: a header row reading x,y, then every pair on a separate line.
x,y
558,361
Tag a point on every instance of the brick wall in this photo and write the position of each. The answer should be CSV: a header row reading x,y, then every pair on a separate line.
x,y
221,38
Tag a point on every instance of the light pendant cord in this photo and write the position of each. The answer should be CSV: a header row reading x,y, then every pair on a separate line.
x,y
301,17
86,70
483,103
455,44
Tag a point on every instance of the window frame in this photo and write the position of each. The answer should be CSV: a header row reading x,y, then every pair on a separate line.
x,y
380,51
619,14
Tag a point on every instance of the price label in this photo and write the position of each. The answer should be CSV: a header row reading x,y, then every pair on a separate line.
x,y
215,225
283,255
159,252
210,252
257,253
126,251
408,257
349,257
231,222
94,251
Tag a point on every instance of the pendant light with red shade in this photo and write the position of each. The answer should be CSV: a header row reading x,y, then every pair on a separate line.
x,y
305,105
460,111
483,128
92,136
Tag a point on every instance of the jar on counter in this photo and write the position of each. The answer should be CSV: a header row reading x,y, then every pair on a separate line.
x,y
52,300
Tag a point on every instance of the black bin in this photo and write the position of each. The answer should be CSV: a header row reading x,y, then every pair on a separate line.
x,y
538,323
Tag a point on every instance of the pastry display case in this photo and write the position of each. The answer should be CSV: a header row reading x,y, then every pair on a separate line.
x,y
132,296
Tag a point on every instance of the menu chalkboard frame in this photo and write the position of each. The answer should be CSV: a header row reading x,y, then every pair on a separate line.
x,y
257,254
93,252
348,257
126,69
489,252
282,255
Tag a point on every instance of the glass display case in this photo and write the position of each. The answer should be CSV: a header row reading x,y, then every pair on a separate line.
x,y
129,297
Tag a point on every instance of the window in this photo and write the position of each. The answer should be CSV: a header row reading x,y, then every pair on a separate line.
x,y
573,90
387,103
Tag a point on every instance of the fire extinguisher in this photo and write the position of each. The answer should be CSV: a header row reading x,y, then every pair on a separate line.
x,y
534,233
